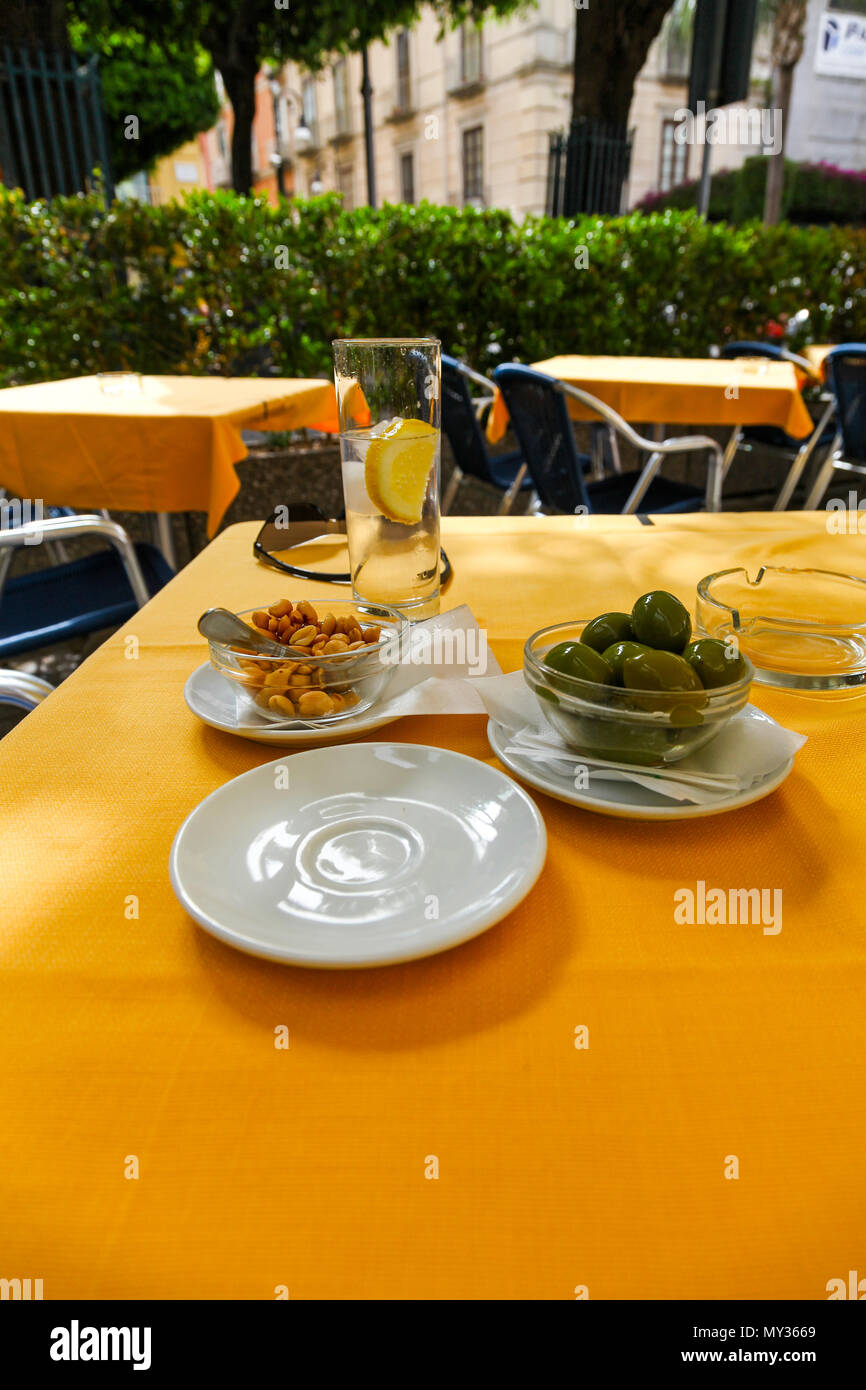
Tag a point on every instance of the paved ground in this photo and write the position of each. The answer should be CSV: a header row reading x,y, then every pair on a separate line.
x,y
310,472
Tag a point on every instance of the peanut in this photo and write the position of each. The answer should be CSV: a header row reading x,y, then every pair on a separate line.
x,y
284,686
281,705
314,703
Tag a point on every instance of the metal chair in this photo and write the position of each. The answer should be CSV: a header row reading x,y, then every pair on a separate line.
x,y
81,596
506,472
797,451
21,689
539,414
845,368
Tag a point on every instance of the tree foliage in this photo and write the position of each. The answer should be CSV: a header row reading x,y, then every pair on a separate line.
x,y
242,34
169,88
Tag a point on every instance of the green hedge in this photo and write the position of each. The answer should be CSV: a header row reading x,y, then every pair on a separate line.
x,y
814,194
220,283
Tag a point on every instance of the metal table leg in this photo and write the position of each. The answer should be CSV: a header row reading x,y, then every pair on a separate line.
x,y
165,538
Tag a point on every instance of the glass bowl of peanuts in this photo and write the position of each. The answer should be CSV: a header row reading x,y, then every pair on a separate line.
x,y
353,649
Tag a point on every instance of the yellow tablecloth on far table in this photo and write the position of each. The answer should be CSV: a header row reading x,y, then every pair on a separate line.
x,y
172,447
816,354
130,1031
679,391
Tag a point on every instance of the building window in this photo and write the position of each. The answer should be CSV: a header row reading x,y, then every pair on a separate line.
x,y
470,53
674,161
341,96
404,96
473,166
308,107
346,185
407,177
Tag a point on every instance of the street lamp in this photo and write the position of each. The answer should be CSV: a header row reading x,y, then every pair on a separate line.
x,y
276,87
317,187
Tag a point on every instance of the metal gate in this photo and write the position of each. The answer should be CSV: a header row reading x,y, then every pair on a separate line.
x,y
52,123
587,168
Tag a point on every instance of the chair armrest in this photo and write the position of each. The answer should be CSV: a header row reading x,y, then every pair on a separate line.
x,y
67,527
677,445
21,689
477,377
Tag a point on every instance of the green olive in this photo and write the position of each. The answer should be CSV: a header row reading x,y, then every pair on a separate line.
x,y
714,662
671,681
620,652
606,629
659,620
575,660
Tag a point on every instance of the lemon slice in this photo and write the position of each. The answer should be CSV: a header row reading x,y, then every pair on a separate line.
x,y
397,468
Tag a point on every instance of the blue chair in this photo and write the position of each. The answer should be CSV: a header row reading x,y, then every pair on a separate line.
x,y
81,596
845,369
797,451
505,472
539,415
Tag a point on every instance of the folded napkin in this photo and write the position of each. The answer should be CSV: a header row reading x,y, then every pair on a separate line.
x,y
442,661
747,749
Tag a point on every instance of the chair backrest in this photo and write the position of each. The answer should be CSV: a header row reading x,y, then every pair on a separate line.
x,y
540,419
753,350
460,422
845,367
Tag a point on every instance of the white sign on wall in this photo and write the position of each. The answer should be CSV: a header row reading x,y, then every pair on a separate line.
x,y
841,50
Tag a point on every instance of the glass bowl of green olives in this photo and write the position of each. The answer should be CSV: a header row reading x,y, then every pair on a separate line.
x,y
636,687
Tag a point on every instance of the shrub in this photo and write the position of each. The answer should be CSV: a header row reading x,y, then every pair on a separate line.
x,y
225,284
815,194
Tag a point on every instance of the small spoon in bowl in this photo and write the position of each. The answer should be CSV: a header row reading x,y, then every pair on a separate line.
x,y
219,625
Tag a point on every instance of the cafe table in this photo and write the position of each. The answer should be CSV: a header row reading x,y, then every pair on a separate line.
x,y
619,1106
694,391
154,444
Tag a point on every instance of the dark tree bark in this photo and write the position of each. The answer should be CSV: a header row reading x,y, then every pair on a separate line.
x,y
610,48
788,38
233,43
241,88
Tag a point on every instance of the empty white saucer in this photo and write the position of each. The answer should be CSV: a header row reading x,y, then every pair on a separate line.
x,y
212,699
361,855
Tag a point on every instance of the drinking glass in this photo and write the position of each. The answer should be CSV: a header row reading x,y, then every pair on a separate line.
x,y
388,392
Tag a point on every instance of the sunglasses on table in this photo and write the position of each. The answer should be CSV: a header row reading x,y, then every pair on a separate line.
x,y
308,524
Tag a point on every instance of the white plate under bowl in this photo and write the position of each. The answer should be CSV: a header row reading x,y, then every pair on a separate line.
x,y
373,853
627,800
211,698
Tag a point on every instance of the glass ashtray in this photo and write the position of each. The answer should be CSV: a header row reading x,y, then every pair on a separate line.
x,y
802,629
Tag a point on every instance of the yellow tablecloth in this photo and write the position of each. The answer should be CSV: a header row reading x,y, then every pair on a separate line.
x,y
816,353
171,448
558,1166
679,391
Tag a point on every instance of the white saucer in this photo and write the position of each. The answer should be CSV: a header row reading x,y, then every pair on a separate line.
x,y
373,853
624,799
212,699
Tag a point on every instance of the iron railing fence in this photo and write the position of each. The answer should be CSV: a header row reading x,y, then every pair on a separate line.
x,y
53,134
587,168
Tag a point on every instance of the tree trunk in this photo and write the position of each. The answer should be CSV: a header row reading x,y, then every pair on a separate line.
x,y
782,82
240,82
611,43
789,27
